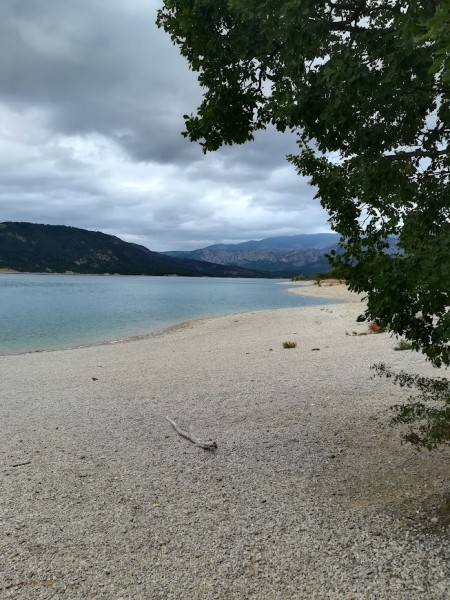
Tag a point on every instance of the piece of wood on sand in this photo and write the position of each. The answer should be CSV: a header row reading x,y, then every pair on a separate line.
x,y
206,444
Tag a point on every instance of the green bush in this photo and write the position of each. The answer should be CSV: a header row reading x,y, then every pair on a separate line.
x,y
299,278
334,273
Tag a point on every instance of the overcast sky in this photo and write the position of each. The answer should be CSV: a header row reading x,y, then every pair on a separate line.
x,y
91,102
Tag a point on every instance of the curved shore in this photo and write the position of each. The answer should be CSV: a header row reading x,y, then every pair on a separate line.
x,y
309,494
60,313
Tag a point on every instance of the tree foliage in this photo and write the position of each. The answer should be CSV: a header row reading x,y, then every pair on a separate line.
x,y
365,86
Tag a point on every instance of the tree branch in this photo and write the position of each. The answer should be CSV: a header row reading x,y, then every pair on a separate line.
x,y
415,153
207,445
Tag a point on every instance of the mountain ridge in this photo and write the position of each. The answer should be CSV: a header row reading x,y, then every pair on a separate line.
x,y
301,241
41,248
289,255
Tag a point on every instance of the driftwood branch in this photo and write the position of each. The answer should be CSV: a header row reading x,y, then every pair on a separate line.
x,y
207,445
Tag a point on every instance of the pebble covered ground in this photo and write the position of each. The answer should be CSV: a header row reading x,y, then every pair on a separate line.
x,y
310,493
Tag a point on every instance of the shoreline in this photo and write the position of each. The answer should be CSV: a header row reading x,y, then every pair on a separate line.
x,y
158,331
331,288
310,493
52,273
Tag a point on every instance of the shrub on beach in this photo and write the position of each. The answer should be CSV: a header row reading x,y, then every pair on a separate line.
x,y
426,413
376,328
289,344
403,345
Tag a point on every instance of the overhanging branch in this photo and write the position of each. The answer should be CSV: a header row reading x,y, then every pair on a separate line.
x,y
415,154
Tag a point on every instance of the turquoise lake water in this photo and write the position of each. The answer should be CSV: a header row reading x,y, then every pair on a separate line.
x,y
43,312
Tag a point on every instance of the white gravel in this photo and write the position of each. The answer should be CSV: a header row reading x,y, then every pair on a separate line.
x,y
309,495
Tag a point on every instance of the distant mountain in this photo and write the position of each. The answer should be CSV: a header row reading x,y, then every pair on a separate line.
x,y
286,256
30,247
303,241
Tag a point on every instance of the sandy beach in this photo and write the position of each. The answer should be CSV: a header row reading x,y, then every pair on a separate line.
x,y
310,494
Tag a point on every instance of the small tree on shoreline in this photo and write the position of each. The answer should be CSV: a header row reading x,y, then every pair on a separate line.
x,y
365,86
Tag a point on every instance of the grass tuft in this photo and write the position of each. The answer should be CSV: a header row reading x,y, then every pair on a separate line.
x,y
403,345
289,344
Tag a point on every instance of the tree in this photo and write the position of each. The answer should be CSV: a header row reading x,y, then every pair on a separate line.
x,y
365,86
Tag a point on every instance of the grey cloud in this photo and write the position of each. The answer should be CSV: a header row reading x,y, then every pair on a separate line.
x,y
92,96
98,67
269,149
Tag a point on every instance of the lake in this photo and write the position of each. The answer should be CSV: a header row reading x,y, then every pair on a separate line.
x,y
44,312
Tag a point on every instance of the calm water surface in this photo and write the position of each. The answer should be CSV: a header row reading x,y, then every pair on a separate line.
x,y
57,311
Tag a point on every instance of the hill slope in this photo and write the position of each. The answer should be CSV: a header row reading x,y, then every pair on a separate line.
x,y
34,248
